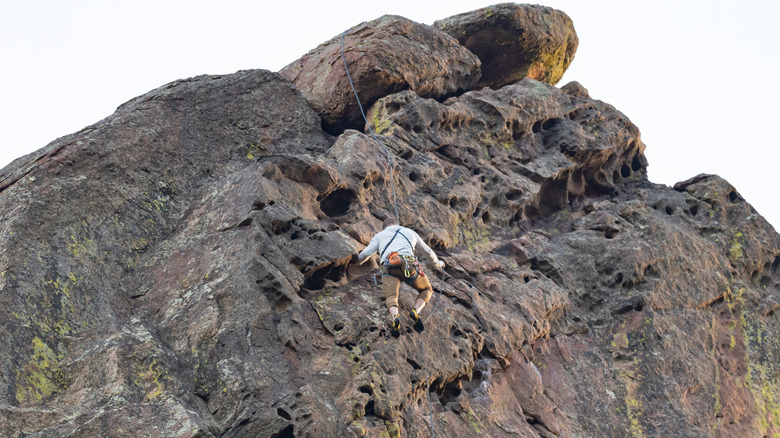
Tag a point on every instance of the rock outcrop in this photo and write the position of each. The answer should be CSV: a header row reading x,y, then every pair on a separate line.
x,y
183,268
516,41
385,55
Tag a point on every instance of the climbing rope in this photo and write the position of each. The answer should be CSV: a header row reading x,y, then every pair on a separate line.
x,y
389,159
388,163
425,366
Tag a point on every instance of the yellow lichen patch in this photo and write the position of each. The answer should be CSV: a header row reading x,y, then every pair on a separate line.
x,y
381,123
79,249
735,247
140,244
620,340
392,429
471,236
150,379
253,151
41,377
634,411
474,421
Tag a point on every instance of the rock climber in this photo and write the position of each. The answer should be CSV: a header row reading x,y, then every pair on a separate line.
x,y
395,245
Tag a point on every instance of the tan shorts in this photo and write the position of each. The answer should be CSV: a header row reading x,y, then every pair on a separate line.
x,y
392,282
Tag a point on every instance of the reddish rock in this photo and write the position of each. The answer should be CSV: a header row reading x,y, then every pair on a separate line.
x,y
384,56
515,42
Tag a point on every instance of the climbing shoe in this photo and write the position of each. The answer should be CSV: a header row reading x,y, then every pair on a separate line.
x,y
396,330
418,323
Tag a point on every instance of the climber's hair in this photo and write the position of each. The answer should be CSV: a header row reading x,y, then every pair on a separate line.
x,y
388,222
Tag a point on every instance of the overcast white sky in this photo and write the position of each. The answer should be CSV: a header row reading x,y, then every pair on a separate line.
x,y
696,76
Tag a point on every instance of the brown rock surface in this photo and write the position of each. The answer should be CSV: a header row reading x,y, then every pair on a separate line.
x,y
516,41
385,55
182,269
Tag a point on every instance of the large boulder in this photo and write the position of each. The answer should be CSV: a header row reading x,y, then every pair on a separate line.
x,y
384,56
516,41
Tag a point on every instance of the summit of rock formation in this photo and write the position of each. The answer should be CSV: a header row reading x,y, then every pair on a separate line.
x,y
185,266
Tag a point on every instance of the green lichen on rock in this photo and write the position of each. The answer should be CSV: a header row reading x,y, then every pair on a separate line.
x,y
41,376
392,429
150,379
735,247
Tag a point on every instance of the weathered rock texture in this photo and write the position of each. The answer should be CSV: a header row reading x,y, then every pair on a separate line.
x,y
385,55
516,41
183,269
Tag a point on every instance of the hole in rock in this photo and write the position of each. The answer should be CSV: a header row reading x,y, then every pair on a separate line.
x,y
338,327
259,205
284,414
393,107
450,392
550,123
454,201
356,359
337,202
414,176
694,210
733,196
370,409
417,129
637,307
775,266
296,235
471,385
316,279
619,278
537,127
408,154
287,432
281,227
514,195
366,389
610,234
414,364
245,223
669,210
636,164
625,171
517,130
486,217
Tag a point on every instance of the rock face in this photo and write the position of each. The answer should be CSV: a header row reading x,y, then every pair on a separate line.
x,y
385,55
183,268
516,41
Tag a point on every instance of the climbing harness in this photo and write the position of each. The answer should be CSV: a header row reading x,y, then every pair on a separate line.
x,y
406,259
